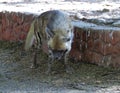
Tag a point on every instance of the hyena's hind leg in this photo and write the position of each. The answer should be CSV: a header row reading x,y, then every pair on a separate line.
x,y
34,58
36,46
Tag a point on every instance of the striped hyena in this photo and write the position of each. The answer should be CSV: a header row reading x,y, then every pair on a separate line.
x,y
55,29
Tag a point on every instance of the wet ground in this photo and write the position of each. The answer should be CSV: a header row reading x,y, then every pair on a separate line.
x,y
16,76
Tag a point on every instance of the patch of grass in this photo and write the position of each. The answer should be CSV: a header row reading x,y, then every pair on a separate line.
x,y
83,73
10,45
91,74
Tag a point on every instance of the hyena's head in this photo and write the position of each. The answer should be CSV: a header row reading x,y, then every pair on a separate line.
x,y
60,43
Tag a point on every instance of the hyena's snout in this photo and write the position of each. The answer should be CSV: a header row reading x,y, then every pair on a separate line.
x,y
59,54
59,46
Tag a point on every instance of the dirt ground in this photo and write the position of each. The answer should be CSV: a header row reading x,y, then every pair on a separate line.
x,y
16,76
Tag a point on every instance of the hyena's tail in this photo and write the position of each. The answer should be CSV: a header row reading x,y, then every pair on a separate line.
x,y
30,37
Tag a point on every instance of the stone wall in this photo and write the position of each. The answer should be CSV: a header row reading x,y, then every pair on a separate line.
x,y
14,26
91,44
97,46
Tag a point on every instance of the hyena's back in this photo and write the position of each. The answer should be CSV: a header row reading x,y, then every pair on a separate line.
x,y
50,23
56,20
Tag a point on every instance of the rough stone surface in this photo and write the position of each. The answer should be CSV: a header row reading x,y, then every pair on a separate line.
x,y
100,47
14,26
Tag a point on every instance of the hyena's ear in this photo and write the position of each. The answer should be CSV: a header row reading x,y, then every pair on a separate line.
x,y
30,37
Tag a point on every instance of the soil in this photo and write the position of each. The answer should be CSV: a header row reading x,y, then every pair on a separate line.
x,y
16,76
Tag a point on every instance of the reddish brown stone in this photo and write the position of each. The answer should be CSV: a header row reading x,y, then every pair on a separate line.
x,y
95,34
89,35
104,36
4,23
14,17
99,46
76,54
15,25
26,27
108,49
10,25
83,46
0,34
17,17
88,56
13,36
93,57
22,36
75,44
97,58
28,18
107,36
6,35
20,18
90,44
7,20
84,36
115,62
115,37
0,27
116,49
77,33
18,29
0,18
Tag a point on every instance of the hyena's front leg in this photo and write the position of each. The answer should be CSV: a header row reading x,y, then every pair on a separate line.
x,y
67,65
50,62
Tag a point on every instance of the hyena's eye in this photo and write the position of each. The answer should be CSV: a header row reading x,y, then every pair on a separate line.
x,y
66,39
68,31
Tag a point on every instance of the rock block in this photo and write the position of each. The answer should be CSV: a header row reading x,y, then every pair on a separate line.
x,y
98,45
14,26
